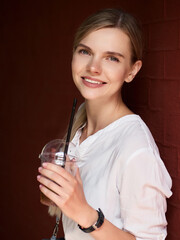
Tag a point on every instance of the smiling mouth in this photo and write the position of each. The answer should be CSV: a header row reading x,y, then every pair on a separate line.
x,y
93,81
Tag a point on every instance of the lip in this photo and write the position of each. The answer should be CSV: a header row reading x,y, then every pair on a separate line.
x,y
98,81
92,82
93,79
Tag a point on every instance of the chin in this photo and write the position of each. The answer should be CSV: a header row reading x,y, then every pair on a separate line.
x,y
90,97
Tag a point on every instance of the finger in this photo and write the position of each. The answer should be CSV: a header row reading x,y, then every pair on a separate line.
x,y
51,195
54,177
66,187
58,169
78,176
51,186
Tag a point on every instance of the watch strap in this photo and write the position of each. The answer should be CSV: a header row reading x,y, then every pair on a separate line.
x,y
96,225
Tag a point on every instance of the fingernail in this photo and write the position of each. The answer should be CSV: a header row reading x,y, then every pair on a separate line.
x,y
44,164
39,169
38,177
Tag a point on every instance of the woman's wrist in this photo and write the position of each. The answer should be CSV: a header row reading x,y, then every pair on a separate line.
x,y
97,224
89,217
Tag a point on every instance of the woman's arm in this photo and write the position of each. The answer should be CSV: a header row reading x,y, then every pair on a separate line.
x,y
109,231
67,193
143,190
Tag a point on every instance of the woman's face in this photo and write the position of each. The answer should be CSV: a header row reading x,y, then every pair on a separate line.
x,y
101,63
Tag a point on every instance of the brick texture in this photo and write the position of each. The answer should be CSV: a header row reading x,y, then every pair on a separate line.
x,y
172,64
162,112
153,66
160,108
172,9
172,130
164,35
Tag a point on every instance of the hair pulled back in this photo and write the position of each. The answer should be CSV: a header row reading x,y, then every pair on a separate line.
x,y
113,18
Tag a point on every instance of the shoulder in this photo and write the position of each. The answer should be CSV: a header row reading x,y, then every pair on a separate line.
x,y
132,133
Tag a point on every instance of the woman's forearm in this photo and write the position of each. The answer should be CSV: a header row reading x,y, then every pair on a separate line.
x,y
109,231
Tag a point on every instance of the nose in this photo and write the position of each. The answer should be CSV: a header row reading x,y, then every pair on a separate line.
x,y
94,66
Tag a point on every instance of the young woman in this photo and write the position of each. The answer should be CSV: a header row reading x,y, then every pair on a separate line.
x,y
120,191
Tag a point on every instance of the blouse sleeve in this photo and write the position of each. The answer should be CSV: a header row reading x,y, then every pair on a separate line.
x,y
143,191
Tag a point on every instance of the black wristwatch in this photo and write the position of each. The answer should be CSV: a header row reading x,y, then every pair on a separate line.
x,y
96,225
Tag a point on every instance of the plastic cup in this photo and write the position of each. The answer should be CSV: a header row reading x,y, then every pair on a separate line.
x,y
53,152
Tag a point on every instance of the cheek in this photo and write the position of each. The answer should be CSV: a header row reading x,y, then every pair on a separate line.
x,y
77,64
114,71
122,71
73,65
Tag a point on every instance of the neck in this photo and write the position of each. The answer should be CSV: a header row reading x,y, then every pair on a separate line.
x,y
101,113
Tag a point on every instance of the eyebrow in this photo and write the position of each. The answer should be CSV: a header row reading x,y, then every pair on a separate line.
x,y
82,45
115,53
107,52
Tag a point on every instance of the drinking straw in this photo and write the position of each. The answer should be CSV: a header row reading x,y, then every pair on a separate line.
x,y
70,128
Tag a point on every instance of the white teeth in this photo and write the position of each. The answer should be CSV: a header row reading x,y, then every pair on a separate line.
x,y
91,81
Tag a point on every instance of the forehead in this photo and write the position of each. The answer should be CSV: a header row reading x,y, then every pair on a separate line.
x,y
107,39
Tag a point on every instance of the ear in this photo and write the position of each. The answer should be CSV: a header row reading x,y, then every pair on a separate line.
x,y
134,70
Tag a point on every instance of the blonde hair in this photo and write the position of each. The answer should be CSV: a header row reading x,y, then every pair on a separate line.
x,y
113,18
79,120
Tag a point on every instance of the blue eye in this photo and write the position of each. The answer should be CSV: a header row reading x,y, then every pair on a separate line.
x,y
84,52
114,59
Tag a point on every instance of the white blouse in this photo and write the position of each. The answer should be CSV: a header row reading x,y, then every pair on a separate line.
x,y
123,174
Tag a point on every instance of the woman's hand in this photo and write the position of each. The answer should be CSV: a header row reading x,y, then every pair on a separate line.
x,y
66,191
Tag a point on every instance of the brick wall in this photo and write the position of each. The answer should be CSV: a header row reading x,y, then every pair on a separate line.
x,y
155,94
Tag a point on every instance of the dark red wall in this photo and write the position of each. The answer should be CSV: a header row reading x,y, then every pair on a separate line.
x,y
155,95
37,92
